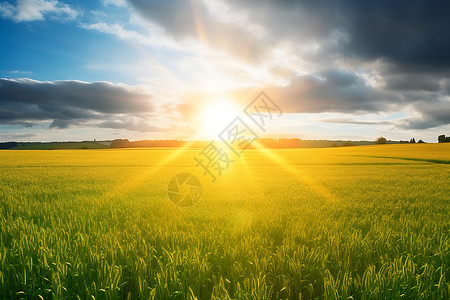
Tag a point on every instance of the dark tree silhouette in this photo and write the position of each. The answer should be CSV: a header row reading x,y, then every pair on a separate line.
x,y
444,139
381,140
412,141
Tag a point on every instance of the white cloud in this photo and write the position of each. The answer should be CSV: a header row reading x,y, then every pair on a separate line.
x,y
34,10
224,13
6,10
151,38
120,3
71,103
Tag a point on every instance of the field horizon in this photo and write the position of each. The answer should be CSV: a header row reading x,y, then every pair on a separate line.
x,y
366,222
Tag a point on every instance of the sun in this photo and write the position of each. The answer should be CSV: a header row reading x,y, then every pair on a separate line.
x,y
216,116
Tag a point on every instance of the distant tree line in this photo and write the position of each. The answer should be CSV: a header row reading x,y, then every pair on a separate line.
x,y
8,145
412,141
443,139
280,143
124,143
283,143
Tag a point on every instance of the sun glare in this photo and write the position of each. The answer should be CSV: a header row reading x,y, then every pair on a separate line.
x,y
216,116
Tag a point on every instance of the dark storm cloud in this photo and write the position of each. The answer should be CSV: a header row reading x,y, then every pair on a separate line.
x,y
332,91
431,116
71,103
345,92
413,82
446,86
408,33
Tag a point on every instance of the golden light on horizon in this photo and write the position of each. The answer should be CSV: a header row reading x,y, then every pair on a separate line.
x,y
216,116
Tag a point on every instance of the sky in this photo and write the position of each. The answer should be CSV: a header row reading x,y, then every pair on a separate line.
x,y
144,69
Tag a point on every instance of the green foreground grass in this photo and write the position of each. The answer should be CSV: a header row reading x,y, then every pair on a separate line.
x,y
279,224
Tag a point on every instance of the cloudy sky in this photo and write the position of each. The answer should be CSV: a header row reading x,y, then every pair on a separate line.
x,y
145,69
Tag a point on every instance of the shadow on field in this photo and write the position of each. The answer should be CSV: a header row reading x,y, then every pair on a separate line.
x,y
436,161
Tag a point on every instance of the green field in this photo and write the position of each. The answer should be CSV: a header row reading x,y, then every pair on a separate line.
x,y
367,222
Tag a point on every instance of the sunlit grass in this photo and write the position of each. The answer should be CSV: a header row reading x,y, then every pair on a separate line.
x,y
97,223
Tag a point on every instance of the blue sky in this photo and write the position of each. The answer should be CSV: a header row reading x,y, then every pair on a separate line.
x,y
77,70
61,49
